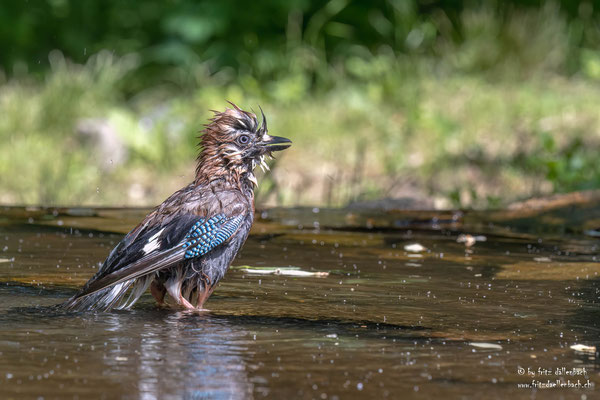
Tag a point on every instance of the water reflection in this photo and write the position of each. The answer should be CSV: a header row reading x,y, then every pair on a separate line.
x,y
148,354
386,322
179,355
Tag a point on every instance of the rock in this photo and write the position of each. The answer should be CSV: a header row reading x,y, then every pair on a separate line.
x,y
103,137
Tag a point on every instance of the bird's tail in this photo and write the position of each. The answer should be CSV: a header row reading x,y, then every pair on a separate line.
x,y
111,297
107,291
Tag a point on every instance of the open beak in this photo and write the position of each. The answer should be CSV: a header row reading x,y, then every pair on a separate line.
x,y
276,143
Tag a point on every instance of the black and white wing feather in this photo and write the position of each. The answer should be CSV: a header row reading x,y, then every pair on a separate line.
x,y
147,249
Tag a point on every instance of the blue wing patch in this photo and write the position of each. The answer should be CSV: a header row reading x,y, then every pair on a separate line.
x,y
206,234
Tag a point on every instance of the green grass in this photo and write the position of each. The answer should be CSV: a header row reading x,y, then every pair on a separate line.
x,y
480,123
461,140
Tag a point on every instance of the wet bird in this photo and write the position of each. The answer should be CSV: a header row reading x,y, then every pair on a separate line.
x,y
186,244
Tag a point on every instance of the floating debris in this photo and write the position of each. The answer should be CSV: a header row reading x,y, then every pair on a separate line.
x,y
287,271
470,240
542,259
484,345
415,248
582,348
592,232
412,264
3,260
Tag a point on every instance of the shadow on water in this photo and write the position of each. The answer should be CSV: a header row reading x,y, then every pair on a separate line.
x,y
405,309
162,352
366,328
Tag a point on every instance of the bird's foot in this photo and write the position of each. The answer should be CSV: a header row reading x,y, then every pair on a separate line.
x,y
183,301
190,307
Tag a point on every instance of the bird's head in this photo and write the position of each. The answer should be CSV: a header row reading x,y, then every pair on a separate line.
x,y
234,143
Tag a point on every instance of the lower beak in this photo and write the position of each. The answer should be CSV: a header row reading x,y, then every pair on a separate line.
x,y
276,143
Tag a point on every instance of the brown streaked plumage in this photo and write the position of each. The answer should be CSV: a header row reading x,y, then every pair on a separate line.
x,y
185,246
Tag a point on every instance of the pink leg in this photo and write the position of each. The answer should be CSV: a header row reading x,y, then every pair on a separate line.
x,y
202,297
186,303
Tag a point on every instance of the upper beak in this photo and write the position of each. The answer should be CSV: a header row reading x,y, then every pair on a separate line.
x,y
276,143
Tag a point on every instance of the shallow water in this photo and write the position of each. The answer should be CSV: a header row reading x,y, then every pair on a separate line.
x,y
443,319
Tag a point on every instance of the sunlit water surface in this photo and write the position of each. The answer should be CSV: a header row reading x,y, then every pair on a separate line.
x,y
405,312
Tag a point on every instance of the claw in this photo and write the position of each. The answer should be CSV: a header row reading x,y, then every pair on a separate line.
x,y
186,303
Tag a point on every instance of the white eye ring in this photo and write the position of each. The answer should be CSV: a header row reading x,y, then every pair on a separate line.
x,y
243,139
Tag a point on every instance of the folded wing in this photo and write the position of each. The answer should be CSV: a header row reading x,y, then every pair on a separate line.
x,y
147,249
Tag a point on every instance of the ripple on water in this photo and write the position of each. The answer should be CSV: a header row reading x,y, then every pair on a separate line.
x,y
389,318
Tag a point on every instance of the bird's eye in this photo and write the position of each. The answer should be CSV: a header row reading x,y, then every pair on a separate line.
x,y
243,139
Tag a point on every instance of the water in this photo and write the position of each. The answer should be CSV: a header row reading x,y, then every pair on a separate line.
x,y
443,319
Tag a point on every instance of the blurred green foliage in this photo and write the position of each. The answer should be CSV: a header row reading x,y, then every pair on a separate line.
x,y
470,103
258,38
